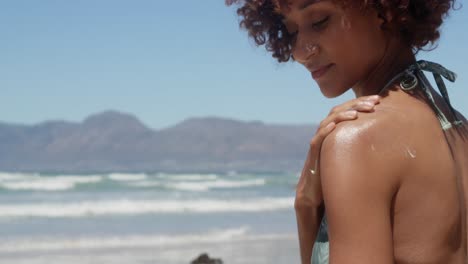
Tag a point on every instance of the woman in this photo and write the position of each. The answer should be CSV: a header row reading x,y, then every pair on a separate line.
x,y
393,182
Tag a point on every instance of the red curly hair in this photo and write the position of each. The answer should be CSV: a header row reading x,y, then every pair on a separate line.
x,y
418,21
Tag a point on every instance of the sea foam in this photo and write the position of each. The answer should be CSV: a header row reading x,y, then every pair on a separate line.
x,y
56,183
134,207
207,185
127,176
48,244
188,177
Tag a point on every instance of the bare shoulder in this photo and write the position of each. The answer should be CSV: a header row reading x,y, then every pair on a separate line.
x,y
371,133
366,150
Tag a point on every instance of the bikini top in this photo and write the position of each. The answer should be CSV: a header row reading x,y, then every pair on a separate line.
x,y
410,78
413,75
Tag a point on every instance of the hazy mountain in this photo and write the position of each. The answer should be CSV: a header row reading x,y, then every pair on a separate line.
x,y
113,141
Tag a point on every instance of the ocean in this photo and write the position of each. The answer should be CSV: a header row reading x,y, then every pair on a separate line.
x,y
147,218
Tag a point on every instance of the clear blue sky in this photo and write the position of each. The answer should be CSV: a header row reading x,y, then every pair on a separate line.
x,y
163,61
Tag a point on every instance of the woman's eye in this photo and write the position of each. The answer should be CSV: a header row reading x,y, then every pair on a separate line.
x,y
319,24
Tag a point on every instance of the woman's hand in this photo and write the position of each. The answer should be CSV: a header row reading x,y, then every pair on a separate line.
x,y
309,199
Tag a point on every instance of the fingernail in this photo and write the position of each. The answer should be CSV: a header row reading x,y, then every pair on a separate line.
x,y
329,126
374,97
367,103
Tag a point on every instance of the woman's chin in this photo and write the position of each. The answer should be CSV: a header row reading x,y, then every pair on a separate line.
x,y
331,92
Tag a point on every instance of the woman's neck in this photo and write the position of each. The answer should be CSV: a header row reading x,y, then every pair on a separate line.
x,y
396,58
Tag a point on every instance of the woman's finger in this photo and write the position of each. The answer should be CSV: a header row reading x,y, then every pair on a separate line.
x,y
346,112
317,140
356,103
337,118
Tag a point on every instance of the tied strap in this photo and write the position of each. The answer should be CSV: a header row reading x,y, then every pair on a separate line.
x,y
438,71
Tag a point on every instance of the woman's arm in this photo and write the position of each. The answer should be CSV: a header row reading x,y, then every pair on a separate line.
x,y
309,199
360,171
309,209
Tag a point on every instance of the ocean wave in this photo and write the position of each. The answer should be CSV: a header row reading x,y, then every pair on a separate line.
x,y
9,176
48,244
56,183
207,185
188,177
197,186
132,241
134,207
127,176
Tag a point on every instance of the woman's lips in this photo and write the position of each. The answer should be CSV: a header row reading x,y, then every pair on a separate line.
x,y
316,74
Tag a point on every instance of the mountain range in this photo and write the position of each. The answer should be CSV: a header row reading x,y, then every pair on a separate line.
x,y
113,141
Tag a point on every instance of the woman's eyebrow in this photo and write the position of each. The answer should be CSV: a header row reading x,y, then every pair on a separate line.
x,y
307,3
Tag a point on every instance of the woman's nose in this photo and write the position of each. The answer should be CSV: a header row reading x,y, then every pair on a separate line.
x,y
303,51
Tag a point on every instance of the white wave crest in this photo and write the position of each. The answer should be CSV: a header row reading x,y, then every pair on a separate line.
x,y
133,207
127,177
59,183
9,176
188,177
207,185
48,244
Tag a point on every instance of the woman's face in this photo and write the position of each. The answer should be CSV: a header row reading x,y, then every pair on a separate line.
x,y
340,47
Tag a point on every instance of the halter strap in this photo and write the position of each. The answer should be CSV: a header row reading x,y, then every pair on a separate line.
x,y
414,73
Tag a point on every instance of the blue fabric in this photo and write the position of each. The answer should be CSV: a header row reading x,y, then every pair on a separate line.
x,y
321,253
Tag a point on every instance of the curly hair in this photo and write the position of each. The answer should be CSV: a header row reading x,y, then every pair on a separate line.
x,y
418,22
